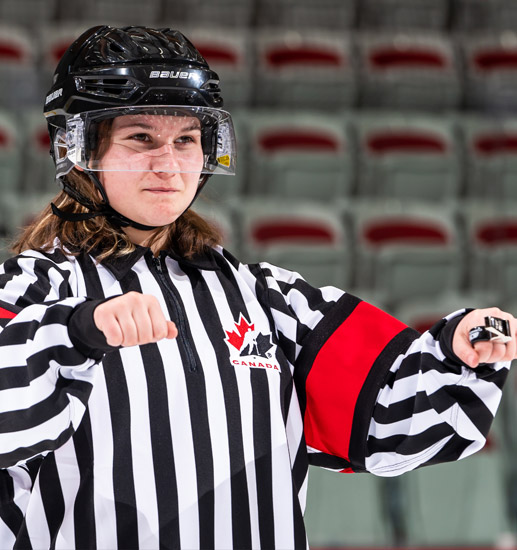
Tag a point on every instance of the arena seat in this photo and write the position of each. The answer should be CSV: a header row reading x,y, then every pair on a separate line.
x,y
28,13
408,156
38,173
308,238
404,14
231,14
304,69
490,143
54,39
113,12
491,230
421,314
223,218
302,154
307,14
490,61
407,249
10,153
228,52
475,15
408,70
18,74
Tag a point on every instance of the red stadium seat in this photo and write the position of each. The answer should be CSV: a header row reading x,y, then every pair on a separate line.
x,y
491,155
302,154
491,228
308,238
229,55
411,156
408,70
306,69
490,71
407,249
18,65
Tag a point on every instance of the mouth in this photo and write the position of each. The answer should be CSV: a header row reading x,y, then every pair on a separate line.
x,y
159,190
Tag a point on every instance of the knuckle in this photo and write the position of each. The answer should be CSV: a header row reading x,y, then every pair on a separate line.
x,y
161,333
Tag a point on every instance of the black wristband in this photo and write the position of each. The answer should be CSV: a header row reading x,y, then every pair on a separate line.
x,y
84,334
446,336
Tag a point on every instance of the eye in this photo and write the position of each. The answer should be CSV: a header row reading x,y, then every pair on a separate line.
x,y
186,139
140,137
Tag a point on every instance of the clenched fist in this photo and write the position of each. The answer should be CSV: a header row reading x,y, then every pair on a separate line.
x,y
133,319
483,352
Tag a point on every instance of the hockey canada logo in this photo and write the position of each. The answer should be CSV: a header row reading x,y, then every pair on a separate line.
x,y
250,348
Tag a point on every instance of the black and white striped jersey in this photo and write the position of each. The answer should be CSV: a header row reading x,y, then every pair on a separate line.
x,y
204,441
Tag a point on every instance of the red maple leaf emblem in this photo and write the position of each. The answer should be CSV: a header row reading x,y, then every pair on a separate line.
x,y
236,338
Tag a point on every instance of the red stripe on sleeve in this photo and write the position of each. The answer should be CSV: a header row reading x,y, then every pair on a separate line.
x,y
6,314
338,374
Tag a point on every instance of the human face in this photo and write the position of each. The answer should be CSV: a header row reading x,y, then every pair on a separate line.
x,y
164,160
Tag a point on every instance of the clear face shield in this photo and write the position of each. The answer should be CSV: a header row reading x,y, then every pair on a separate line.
x,y
176,139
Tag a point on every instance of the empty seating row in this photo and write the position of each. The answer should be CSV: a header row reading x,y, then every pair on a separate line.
x,y
304,154
391,250
388,252
318,156
314,69
344,14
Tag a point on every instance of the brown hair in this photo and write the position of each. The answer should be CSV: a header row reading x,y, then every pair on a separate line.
x,y
188,236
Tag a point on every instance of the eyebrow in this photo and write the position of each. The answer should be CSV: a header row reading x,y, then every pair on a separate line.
x,y
145,126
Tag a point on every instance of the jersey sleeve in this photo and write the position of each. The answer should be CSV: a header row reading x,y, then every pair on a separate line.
x,y
375,395
45,381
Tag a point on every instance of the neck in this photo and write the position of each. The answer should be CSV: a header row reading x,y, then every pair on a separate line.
x,y
154,239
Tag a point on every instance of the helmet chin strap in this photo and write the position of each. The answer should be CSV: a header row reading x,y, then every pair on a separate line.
x,y
106,209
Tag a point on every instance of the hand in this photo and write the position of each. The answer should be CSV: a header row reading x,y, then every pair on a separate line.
x,y
133,319
483,352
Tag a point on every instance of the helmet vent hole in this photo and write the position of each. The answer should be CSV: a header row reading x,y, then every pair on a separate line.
x,y
121,88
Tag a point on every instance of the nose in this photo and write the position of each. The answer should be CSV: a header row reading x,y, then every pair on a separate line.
x,y
164,159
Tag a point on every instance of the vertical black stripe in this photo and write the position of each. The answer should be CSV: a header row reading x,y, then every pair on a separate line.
x,y
52,496
300,535
286,391
23,541
91,277
162,448
262,410
84,508
123,480
161,438
301,465
263,461
197,395
11,515
241,523
84,512
286,381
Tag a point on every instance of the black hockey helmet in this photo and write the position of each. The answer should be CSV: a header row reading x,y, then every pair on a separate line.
x,y
109,72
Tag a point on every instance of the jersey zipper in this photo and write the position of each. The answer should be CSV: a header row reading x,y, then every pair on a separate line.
x,y
179,316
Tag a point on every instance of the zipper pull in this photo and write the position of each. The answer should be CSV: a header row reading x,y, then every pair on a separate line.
x,y
158,264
